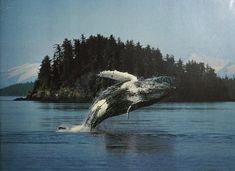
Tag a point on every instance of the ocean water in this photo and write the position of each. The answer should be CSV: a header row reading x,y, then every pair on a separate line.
x,y
164,136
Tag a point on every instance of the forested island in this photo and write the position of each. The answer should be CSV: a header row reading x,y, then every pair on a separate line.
x,y
19,89
71,73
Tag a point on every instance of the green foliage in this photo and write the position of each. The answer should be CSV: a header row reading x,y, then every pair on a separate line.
x,y
21,89
200,83
44,75
76,62
67,62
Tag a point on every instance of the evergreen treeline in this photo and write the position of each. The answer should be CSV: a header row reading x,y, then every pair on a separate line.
x,y
71,72
21,89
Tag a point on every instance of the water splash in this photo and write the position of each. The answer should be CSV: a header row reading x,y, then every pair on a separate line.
x,y
73,128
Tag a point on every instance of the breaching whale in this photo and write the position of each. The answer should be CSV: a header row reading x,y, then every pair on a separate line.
x,y
128,94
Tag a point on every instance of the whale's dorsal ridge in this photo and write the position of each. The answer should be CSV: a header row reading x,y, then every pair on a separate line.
x,y
117,75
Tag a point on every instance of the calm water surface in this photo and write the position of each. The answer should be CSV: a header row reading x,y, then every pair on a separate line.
x,y
164,136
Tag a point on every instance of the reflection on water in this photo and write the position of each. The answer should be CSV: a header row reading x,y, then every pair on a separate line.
x,y
165,136
63,106
139,143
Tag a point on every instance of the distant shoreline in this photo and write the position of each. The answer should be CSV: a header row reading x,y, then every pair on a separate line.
x,y
82,100
86,100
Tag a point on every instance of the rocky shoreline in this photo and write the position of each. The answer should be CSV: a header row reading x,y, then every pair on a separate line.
x,y
61,95
58,98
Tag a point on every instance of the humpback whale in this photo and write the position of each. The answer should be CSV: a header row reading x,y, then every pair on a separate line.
x,y
128,94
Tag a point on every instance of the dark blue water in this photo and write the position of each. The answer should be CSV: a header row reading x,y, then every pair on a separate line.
x,y
164,136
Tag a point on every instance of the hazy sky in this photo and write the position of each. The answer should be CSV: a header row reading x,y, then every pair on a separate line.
x,y
184,28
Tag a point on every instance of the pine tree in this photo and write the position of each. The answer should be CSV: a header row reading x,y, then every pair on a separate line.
x,y
67,49
45,73
56,68
77,58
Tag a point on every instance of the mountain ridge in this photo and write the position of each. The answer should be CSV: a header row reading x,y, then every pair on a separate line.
x,y
19,89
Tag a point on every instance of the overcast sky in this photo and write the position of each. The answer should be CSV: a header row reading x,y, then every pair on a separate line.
x,y
184,28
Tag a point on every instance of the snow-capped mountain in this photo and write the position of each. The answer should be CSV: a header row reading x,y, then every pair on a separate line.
x,y
19,74
223,67
228,70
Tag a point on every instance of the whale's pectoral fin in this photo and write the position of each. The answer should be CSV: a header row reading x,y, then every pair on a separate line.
x,y
128,110
117,75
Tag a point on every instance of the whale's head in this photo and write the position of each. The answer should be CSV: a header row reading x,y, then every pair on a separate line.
x,y
157,87
149,90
